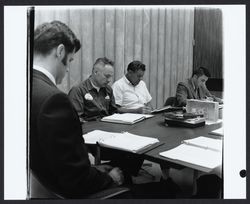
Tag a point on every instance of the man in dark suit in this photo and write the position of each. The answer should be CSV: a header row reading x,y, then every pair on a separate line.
x,y
58,155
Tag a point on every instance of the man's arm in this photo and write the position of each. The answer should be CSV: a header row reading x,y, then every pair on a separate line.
x,y
77,100
61,140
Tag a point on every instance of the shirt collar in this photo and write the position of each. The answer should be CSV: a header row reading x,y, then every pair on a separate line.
x,y
91,86
45,72
127,81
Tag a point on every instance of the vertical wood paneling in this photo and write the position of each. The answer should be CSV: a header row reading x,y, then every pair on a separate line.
x,y
109,33
208,38
161,58
160,37
129,36
146,44
119,43
153,55
75,71
168,54
99,33
87,42
174,51
138,35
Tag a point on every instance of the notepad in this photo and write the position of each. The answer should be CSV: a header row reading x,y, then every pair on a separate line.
x,y
201,153
126,118
122,141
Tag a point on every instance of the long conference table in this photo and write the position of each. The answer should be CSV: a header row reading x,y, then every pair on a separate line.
x,y
170,137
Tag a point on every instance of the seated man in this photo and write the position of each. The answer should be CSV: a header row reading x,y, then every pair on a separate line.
x,y
58,154
93,98
130,92
195,88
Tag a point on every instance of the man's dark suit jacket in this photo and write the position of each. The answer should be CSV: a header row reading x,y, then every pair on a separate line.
x,y
58,155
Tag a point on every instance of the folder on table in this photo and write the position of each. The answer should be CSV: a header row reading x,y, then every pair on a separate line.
x,y
126,118
122,141
201,153
166,109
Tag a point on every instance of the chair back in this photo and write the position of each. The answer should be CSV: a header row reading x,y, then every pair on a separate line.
x,y
171,101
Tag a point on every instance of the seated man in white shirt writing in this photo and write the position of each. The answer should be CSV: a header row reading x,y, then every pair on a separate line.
x,y
130,92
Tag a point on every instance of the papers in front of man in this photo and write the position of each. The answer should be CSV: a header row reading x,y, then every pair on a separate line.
x,y
217,132
201,153
126,118
122,141
166,109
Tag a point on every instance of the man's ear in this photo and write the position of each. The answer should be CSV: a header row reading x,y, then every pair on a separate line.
x,y
60,51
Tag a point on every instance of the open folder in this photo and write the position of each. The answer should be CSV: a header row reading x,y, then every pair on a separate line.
x,y
126,118
122,141
201,153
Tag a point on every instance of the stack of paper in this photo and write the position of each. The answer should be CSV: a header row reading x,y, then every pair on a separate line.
x,y
123,141
199,152
125,118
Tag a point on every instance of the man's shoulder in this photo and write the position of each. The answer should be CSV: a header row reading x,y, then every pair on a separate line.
x,y
119,81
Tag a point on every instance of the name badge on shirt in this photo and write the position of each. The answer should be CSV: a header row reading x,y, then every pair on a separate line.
x,y
107,97
88,97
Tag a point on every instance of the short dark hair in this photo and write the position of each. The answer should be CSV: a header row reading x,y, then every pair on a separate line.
x,y
201,71
49,35
136,65
104,61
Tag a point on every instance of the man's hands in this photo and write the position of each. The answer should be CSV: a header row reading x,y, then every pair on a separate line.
x,y
144,110
114,172
117,176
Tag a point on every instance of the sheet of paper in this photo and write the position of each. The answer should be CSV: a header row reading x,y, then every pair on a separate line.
x,y
194,155
205,142
219,132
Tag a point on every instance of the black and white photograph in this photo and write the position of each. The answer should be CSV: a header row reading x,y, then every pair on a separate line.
x,y
126,102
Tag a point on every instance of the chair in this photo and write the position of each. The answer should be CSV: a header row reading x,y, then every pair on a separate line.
x,y
171,101
39,191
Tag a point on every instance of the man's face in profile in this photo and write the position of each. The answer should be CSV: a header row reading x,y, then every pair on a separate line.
x,y
103,75
201,80
64,66
136,77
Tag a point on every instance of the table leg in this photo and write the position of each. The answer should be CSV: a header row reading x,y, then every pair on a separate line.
x,y
195,176
165,170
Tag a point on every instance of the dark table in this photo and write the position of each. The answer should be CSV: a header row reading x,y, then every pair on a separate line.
x,y
155,127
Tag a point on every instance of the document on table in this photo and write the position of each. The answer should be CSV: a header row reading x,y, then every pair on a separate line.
x,y
122,141
201,152
218,132
126,118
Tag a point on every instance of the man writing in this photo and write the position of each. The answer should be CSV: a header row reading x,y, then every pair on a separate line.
x,y
195,88
58,155
130,92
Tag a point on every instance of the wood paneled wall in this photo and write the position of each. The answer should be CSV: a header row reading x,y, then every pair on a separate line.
x,y
208,40
159,37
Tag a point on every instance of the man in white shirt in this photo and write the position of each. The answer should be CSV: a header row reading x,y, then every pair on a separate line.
x,y
130,92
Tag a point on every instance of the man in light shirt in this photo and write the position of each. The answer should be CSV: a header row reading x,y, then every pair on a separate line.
x,y
130,92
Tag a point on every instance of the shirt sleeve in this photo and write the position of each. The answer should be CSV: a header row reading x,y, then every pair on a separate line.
x,y
148,97
117,93
76,98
